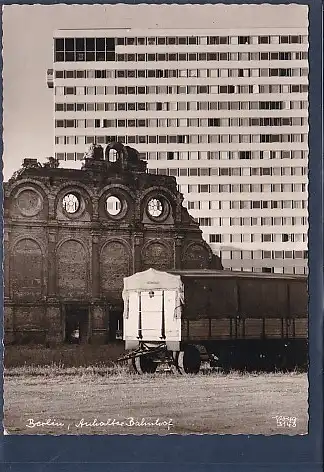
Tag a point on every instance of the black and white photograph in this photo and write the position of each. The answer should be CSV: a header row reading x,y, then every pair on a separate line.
x,y
155,166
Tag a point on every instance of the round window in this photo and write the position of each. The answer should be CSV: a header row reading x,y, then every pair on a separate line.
x,y
155,207
71,203
113,205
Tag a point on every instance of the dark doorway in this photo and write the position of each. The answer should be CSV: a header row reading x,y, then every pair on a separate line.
x,y
76,324
116,324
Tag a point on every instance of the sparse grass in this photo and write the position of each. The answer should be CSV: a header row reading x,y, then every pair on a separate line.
x,y
64,355
119,370
74,382
212,403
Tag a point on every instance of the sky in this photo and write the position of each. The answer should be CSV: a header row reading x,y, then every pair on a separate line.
x,y
27,54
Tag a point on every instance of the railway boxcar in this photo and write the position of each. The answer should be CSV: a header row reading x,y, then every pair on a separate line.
x,y
233,319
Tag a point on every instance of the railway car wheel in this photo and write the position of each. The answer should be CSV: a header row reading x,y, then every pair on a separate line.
x,y
188,361
144,365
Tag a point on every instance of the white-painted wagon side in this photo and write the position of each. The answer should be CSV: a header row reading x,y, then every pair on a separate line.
x,y
153,302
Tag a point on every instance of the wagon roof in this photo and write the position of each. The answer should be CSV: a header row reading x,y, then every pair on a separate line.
x,y
208,273
152,279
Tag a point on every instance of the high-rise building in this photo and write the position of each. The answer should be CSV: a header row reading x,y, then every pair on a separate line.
x,y
225,111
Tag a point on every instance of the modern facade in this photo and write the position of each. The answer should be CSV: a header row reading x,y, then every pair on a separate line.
x,y
225,111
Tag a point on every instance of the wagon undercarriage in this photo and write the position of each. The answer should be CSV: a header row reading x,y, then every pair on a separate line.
x,y
148,357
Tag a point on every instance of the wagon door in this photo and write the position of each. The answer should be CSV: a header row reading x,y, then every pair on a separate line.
x,y
152,312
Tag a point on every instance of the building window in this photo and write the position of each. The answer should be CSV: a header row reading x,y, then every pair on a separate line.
x,y
71,203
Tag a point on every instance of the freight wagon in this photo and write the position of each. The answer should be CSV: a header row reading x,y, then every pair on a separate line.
x,y
234,320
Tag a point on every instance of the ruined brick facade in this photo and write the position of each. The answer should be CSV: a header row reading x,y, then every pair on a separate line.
x,y
67,251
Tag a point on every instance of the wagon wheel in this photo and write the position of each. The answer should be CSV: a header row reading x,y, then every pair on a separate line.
x,y
188,361
143,365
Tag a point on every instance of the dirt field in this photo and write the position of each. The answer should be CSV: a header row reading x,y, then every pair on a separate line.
x,y
88,402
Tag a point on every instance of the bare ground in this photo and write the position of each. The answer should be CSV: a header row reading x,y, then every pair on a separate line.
x,y
212,404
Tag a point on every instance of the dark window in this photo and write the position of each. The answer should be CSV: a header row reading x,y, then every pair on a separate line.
x,y
245,154
59,74
223,40
59,44
80,56
100,44
110,44
202,88
215,238
80,44
69,44
284,39
244,39
182,40
59,56
284,72
267,270
120,41
90,56
192,40
90,44
140,106
264,39
130,41
274,72
212,56
100,74
69,56
170,156
213,121
294,39
59,106
110,56
100,56
295,88
69,91
274,56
